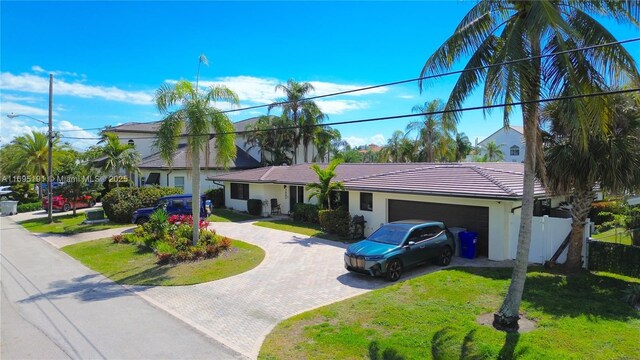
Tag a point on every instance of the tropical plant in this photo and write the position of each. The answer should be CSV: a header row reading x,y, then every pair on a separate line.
x,y
492,152
118,156
198,119
325,186
463,146
78,182
499,32
431,129
28,155
611,160
325,139
273,136
300,112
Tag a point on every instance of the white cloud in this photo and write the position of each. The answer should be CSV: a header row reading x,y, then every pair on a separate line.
x,y
406,96
11,107
12,97
330,88
56,73
340,106
77,132
254,90
354,141
10,128
40,85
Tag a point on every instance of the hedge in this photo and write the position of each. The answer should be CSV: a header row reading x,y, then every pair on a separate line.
x,y
305,213
335,221
22,208
254,207
120,203
615,258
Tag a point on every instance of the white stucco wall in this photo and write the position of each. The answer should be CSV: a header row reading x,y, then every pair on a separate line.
x,y
143,142
204,183
507,139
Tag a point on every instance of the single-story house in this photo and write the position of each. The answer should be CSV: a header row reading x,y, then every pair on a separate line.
x,y
481,197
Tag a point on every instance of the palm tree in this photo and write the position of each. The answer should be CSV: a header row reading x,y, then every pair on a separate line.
x,y
393,150
494,32
30,155
492,152
197,117
431,128
463,146
324,139
324,187
612,160
273,136
299,111
118,156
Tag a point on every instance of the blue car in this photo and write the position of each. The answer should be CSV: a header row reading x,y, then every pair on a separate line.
x,y
173,204
399,245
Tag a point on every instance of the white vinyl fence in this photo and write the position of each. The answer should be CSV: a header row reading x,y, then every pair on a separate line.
x,y
547,233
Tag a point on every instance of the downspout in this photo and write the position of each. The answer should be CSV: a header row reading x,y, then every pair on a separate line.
x,y
170,171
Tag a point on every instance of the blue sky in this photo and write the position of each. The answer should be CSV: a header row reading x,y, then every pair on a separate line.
x,y
108,58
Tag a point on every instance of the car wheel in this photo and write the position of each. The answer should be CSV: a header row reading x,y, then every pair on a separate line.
x,y
445,256
394,270
142,221
66,207
92,203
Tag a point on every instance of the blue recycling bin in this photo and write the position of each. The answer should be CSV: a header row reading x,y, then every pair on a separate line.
x,y
468,244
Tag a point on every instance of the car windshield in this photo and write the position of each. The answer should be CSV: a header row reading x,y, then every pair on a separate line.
x,y
390,234
162,203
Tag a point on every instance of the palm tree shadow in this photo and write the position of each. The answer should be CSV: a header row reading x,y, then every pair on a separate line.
x,y
444,346
387,354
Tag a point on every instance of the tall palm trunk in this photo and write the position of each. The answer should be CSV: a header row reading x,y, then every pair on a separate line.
x,y
507,317
195,194
580,207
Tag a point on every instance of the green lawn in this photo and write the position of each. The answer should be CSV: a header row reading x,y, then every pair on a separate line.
x,y
225,215
303,228
618,235
66,224
133,265
434,317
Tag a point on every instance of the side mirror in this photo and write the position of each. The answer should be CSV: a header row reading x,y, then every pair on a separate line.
x,y
410,243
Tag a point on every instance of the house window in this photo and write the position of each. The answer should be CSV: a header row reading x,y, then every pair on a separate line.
x,y
178,182
514,151
240,191
131,143
366,201
153,179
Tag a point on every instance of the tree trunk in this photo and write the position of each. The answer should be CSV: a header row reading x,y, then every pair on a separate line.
x,y
581,205
195,194
507,317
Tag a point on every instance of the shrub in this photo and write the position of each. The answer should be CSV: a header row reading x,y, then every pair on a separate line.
x,y
225,243
603,211
22,208
335,221
207,237
187,219
305,212
164,252
120,203
216,196
254,207
23,193
159,222
615,258
632,295
117,238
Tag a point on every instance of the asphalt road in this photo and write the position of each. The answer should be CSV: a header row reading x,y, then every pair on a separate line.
x,y
53,307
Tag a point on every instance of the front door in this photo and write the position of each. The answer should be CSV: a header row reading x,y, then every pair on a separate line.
x,y
296,196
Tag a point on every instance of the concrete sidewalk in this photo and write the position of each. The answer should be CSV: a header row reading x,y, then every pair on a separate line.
x,y
55,308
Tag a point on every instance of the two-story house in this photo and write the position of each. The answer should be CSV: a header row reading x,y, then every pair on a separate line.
x,y
510,140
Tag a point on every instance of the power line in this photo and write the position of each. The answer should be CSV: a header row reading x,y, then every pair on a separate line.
x,y
584,48
393,117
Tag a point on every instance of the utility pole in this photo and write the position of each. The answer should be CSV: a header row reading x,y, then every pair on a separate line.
x,y
50,164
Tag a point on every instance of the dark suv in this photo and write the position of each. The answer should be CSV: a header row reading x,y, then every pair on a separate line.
x,y
174,205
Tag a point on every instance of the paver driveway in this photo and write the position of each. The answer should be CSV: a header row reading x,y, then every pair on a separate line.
x,y
297,274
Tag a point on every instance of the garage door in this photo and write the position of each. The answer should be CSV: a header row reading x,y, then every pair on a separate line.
x,y
473,218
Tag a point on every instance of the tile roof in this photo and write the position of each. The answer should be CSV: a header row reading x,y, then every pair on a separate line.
x,y
484,180
242,161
